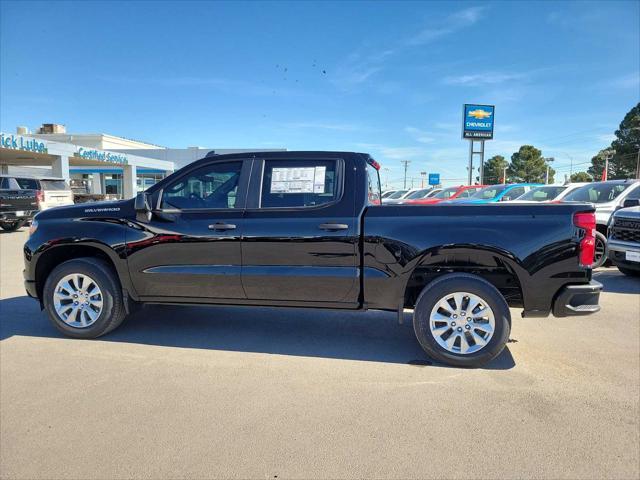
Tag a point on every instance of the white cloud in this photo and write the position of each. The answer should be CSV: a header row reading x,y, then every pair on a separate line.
x,y
421,136
487,78
342,127
631,80
361,65
451,24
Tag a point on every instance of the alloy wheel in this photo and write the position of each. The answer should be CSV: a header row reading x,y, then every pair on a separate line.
x,y
462,323
78,300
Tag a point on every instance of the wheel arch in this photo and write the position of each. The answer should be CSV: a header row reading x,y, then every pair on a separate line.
x,y
56,255
499,268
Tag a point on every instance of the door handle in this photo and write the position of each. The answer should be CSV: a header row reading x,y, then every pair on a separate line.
x,y
222,226
333,226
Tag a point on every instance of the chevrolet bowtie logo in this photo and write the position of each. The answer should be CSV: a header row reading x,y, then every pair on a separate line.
x,y
479,114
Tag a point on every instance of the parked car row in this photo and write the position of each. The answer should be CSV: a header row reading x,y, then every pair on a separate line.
x,y
22,197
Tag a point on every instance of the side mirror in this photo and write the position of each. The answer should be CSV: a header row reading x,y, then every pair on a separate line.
x,y
631,202
142,208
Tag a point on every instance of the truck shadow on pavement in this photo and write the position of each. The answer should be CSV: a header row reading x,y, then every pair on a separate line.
x,y
367,336
616,282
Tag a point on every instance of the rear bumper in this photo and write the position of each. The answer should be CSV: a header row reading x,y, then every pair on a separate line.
x,y
12,217
575,300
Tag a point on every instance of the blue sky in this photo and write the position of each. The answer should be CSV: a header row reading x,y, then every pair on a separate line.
x,y
386,78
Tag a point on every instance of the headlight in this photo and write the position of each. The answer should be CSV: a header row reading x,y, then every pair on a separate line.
x,y
33,227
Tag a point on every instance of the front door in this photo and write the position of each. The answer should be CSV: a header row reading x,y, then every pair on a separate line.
x,y
190,249
300,235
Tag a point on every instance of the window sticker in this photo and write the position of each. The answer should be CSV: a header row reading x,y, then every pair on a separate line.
x,y
298,179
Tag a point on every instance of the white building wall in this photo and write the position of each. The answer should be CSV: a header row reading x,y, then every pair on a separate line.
x,y
184,156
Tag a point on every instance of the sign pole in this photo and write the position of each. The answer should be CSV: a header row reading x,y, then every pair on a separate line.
x,y
470,162
481,162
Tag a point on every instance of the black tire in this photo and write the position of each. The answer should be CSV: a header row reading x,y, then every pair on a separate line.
x,y
461,282
600,256
113,310
12,227
629,272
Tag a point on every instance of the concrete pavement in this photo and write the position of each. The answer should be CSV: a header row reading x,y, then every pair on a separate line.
x,y
220,392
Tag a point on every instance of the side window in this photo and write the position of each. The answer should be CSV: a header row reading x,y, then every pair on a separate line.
x,y
373,185
212,186
513,193
4,183
298,183
465,194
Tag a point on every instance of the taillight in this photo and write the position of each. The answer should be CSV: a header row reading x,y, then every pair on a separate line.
x,y
39,197
587,222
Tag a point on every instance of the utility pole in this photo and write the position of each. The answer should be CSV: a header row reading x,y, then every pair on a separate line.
x,y
546,177
504,175
406,165
422,174
386,178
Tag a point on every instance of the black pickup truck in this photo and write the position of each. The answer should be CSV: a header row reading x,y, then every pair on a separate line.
x,y
305,229
18,201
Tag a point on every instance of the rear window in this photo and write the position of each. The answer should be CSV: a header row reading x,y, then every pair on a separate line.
x,y
488,193
298,183
542,194
28,183
54,185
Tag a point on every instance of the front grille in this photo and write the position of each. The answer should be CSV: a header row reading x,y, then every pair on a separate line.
x,y
626,230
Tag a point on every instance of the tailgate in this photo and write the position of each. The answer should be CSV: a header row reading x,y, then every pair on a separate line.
x,y
17,200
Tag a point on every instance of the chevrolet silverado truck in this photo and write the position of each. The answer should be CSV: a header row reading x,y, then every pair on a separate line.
x,y
306,229
19,199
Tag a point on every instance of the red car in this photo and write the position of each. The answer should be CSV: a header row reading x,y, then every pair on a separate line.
x,y
463,191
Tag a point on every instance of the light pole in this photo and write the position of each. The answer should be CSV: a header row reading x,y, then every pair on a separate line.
x,y
608,155
422,174
406,165
386,177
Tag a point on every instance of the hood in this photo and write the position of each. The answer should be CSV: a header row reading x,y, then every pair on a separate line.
x,y
117,208
423,201
630,212
469,200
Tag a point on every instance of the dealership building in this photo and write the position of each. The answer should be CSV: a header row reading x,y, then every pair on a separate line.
x,y
105,164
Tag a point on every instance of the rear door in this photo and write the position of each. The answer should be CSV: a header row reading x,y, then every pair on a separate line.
x,y
300,238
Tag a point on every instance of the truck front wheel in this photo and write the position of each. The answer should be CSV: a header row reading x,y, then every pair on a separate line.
x,y
83,298
462,320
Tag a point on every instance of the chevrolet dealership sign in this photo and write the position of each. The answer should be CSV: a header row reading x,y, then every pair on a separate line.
x,y
478,121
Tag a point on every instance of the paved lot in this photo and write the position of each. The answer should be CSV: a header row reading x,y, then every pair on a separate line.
x,y
266,393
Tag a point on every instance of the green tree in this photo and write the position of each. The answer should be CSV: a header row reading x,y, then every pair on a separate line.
x,y
494,170
581,177
626,144
528,165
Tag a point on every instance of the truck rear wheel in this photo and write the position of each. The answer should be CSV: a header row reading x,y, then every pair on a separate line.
x,y
83,298
462,320
12,227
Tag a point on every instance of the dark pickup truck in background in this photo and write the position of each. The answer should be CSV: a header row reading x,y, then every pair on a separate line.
x,y
305,229
18,201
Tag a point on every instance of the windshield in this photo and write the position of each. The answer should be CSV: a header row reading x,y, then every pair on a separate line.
x,y
397,194
488,193
541,194
597,192
446,193
418,193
